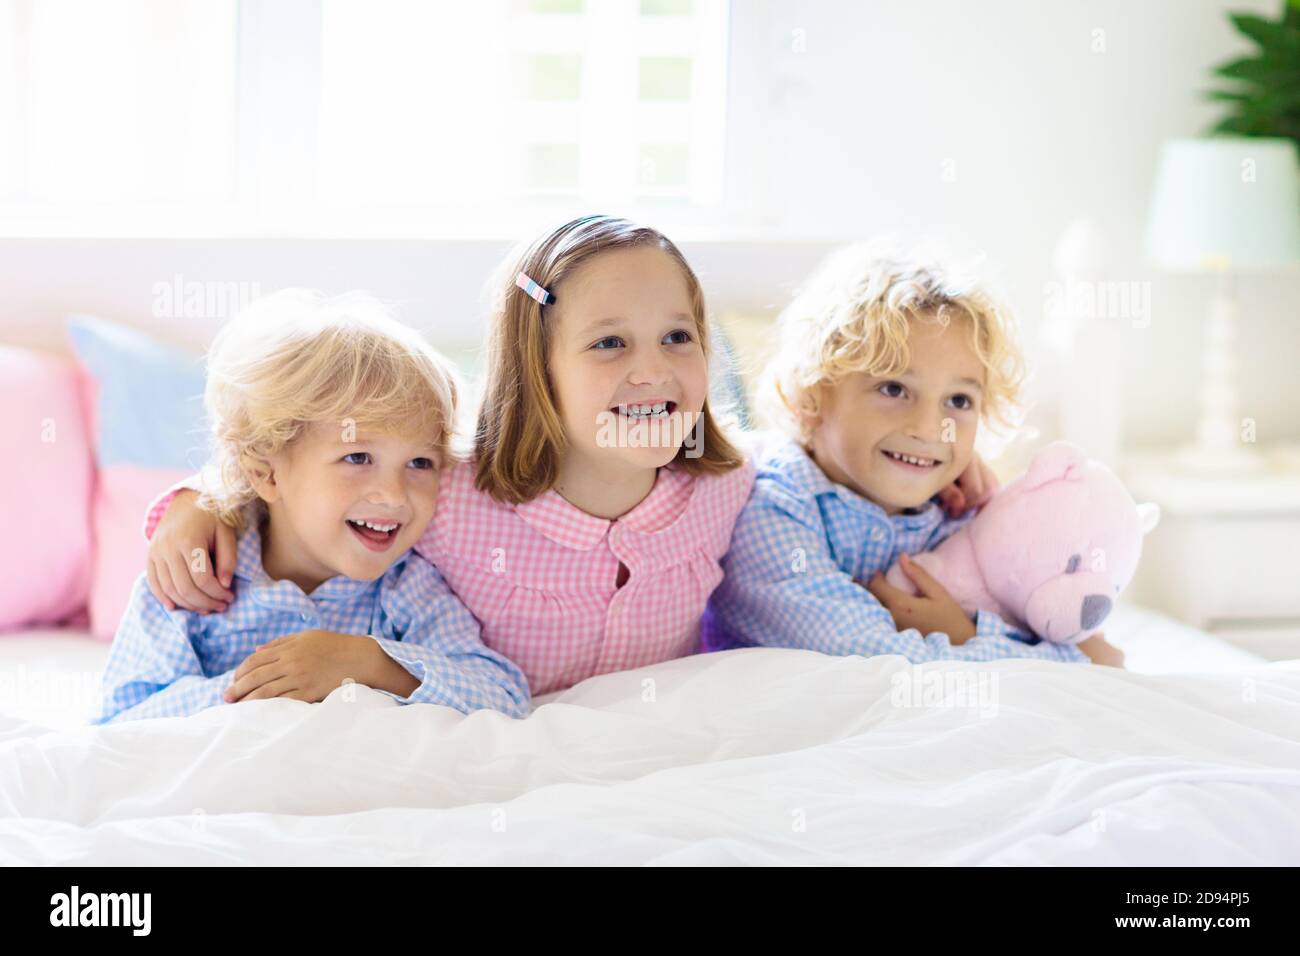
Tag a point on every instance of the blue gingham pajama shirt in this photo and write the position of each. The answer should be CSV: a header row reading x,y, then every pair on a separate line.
x,y
800,548
173,663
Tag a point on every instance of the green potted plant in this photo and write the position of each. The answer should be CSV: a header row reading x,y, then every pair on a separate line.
x,y
1263,95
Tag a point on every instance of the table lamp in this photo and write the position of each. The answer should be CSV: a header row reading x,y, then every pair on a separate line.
x,y
1224,205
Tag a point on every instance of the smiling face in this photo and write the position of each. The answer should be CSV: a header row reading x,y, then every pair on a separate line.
x,y
345,507
625,351
898,440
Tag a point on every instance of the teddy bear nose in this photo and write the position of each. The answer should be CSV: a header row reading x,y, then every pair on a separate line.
x,y
1095,609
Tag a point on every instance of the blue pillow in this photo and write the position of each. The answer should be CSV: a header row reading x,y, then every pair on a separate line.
x,y
149,408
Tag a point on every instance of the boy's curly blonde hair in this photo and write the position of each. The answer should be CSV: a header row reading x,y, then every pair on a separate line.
x,y
853,315
300,357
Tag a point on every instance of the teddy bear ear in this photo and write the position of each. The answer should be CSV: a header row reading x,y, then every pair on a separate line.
x,y
1059,460
1148,515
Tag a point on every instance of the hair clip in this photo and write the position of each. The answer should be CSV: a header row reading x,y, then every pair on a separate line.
x,y
534,290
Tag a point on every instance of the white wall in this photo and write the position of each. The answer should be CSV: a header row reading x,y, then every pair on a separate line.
x,y
846,139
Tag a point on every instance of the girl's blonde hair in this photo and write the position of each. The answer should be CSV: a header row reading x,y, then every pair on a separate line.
x,y
519,436
300,357
853,316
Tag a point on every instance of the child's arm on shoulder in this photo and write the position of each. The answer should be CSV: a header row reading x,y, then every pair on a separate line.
x,y
179,531
433,637
153,669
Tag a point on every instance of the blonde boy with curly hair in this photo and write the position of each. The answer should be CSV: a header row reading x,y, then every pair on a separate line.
x,y
886,366
331,424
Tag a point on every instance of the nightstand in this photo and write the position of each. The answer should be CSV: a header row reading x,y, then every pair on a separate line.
x,y
1224,556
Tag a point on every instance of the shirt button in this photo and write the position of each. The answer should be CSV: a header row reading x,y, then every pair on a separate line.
x,y
877,533
305,617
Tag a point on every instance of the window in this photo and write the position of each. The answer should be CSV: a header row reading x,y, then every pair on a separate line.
x,y
251,115
611,102
128,101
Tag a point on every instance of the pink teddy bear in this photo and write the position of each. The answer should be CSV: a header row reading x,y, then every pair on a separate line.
x,y
1050,552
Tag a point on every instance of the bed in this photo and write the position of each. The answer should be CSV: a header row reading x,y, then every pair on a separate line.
x,y
1192,756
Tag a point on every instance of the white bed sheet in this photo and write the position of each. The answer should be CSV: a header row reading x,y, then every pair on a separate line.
x,y
756,756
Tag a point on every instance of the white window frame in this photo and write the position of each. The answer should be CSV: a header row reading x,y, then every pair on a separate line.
x,y
275,149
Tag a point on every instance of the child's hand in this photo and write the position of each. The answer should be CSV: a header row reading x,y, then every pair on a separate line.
x,y
932,610
1099,652
303,666
178,577
972,489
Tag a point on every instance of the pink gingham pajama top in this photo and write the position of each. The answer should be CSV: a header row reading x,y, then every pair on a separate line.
x,y
541,577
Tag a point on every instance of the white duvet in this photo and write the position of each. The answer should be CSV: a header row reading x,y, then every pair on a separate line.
x,y
755,756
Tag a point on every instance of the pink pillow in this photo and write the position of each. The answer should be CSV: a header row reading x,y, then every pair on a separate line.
x,y
46,487
123,494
